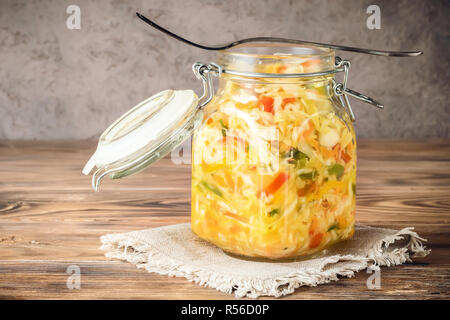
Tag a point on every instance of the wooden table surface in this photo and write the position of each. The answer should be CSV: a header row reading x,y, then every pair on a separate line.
x,y
51,219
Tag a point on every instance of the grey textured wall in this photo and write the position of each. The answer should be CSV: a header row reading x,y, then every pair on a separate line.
x,y
57,83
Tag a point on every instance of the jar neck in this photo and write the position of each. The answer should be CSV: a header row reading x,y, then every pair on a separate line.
x,y
244,89
318,81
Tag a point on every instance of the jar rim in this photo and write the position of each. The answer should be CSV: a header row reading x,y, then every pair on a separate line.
x,y
274,50
256,57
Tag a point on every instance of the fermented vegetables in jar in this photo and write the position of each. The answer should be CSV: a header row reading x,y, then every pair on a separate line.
x,y
274,161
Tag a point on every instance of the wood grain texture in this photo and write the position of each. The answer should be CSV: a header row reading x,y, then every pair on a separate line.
x,y
50,219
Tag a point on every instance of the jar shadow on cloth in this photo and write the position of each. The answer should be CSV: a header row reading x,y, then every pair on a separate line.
x,y
316,255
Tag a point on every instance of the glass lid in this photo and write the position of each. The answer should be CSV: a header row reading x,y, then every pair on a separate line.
x,y
145,134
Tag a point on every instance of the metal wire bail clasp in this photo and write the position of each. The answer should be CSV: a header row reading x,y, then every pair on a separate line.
x,y
204,72
341,90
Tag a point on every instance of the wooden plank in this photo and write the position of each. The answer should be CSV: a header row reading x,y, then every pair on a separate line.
x,y
50,219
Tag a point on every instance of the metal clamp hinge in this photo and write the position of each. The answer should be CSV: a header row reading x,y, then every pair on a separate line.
x,y
341,90
204,72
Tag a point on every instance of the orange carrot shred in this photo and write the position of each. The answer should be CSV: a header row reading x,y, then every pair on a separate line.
x,y
276,184
267,103
316,240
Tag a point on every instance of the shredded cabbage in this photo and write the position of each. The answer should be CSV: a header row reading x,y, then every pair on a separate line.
x,y
274,169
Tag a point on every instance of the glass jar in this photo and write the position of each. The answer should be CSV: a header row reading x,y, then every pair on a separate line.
x,y
274,162
273,150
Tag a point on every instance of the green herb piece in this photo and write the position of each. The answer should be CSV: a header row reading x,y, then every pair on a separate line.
x,y
211,188
301,163
308,176
354,188
337,170
274,212
297,157
223,124
296,154
224,128
332,227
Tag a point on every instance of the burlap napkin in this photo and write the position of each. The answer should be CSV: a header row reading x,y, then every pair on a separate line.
x,y
176,251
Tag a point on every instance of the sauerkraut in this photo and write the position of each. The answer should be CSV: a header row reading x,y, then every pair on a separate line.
x,y
274,167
